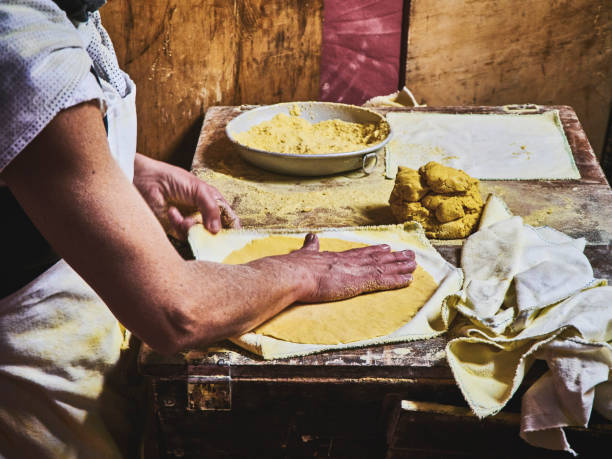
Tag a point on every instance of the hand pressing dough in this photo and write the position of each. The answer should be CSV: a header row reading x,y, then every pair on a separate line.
x,y
362,317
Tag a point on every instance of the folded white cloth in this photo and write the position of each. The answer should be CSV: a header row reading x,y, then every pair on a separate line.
x,y
529,293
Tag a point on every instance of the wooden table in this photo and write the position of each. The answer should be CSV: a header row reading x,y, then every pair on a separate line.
x,y
394,401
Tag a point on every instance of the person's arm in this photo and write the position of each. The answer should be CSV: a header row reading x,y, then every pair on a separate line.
x,y
75,193
175,195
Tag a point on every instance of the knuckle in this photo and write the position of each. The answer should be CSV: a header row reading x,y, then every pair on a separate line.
x,y
373,258
408,265
378,273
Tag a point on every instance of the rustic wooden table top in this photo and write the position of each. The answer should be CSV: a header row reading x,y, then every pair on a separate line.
x,y
581,208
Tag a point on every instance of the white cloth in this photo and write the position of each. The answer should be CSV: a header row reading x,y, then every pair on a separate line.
x,y
121,120
578,380
59,342
118,93
529,293
87,90
492,146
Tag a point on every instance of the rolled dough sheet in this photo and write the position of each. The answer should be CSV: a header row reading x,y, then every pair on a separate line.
x,y
486,146
430,320
362,317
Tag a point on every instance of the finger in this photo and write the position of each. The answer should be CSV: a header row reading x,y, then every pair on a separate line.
x,y
178,224
401,256
401,267
208,207
369,250
229,219
389,282
188,222
397,281
311,242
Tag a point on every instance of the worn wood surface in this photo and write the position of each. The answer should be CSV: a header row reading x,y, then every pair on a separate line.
x,y
425,358
287,419
580,208
187,55
346,403
416,426
495,52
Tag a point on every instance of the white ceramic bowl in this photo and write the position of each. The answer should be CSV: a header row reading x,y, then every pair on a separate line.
x,y
308,165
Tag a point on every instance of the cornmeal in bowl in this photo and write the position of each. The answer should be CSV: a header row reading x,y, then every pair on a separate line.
x,y
294,135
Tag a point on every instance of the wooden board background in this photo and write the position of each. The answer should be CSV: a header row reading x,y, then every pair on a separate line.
x,y
186,55
497,52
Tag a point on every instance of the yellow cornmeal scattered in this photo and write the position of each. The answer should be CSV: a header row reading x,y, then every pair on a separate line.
x,y
540,217
444,200
295,135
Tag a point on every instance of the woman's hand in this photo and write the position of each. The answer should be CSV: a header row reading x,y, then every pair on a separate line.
x,y
329,276
82,203
175,195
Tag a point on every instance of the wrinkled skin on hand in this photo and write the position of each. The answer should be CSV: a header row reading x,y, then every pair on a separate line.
x,y
175,196
340,275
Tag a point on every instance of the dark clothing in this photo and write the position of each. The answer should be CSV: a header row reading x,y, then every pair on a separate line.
x,y
26,254
78,10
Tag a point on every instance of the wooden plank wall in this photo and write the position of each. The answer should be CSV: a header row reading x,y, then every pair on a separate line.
x,y
497,52
186,55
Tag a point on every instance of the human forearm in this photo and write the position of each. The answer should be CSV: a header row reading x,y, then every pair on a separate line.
x,y
225,309
83,204
75,193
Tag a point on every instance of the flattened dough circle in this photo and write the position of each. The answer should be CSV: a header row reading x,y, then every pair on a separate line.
x,y
363,317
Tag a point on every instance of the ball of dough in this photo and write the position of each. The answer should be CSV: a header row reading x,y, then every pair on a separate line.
x,y
445,201
409,185
449,210
444,179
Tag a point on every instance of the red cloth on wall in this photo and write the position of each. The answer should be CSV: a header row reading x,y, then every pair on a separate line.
x,y
360,53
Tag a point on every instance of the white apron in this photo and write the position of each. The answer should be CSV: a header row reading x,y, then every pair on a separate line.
x,y
60,348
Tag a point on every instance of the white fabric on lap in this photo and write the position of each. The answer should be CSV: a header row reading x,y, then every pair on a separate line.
x,y
59,342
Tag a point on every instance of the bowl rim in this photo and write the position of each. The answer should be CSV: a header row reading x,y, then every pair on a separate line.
x,y
344,154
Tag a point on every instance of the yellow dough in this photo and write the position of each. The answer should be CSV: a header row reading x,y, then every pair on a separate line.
x,y
363,317
446,201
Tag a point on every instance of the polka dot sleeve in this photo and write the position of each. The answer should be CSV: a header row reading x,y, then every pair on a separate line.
x,y
43,60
